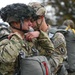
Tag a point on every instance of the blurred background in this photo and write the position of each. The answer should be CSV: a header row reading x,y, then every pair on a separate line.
x,y
57,10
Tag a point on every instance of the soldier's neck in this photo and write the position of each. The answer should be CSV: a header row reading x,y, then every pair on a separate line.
x,y
19,32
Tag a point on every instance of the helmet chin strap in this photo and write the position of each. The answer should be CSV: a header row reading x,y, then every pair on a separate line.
x,y
38,25
21,24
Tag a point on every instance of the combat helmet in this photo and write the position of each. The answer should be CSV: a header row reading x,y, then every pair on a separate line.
x,y
21,12
38,7
16,12
40,13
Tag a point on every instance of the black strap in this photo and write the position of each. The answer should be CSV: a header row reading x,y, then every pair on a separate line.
x,y
0,73
17,65
38,25
3,37
25,31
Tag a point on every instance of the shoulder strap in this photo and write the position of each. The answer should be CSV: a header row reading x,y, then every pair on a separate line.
x,y
17,62
3,37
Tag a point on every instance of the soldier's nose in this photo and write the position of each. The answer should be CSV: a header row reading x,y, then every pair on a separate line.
x,y
30,23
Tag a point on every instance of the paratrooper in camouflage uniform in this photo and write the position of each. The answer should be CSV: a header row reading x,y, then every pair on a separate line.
x,y
60,52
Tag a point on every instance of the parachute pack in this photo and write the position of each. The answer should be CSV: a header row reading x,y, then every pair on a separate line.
x,y
35,65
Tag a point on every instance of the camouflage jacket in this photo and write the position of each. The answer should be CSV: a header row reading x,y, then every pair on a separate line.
x,y
9,50
44,44
59,42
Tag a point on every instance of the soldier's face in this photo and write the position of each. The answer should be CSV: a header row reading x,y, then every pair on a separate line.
x,y
26,25
35,23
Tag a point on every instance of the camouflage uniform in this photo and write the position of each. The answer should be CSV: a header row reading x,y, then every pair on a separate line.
x,y
45,44
59,41
9,50
60,49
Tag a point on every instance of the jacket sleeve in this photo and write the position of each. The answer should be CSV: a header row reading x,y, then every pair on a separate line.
x,y
45,42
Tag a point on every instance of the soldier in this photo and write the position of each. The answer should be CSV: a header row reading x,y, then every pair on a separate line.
x,y
70,44
58,39
19,18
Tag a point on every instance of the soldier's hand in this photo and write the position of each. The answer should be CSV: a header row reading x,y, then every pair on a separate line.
x,y
11,34
31,35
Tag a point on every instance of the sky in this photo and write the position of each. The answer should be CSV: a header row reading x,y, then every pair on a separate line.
x,y
3,3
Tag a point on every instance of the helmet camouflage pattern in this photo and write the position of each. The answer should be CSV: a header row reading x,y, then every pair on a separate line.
x,y
21,12
39,8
